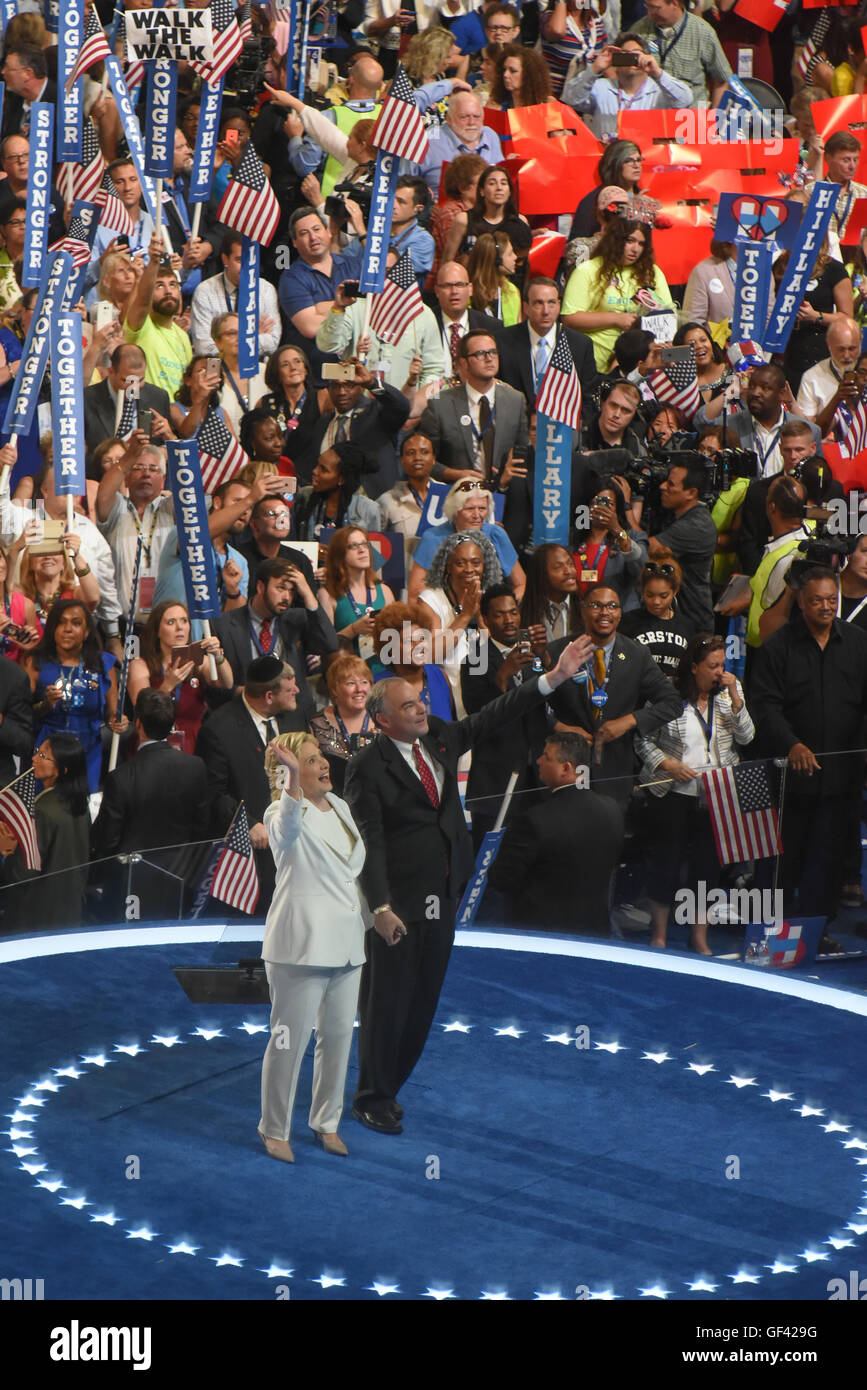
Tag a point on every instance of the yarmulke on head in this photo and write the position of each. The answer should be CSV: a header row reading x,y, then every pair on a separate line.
x,y
264,670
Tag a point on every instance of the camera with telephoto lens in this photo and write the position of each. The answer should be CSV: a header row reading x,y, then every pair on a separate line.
x,y
729,464
335,203
818,549
246,77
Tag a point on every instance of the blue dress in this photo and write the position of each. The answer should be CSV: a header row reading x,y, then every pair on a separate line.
x,y
81,712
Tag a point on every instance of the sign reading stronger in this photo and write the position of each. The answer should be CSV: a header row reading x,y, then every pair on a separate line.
x,y
154,34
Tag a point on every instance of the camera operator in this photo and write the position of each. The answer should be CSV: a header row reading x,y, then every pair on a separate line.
x,y
691,537
785,507
817,547
613,427
796,445
624,76
758,417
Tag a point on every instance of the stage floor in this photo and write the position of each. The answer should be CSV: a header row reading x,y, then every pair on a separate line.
x,y
588,1120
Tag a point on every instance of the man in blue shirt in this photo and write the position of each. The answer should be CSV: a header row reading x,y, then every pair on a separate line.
x,y
306,290
464,133
406,234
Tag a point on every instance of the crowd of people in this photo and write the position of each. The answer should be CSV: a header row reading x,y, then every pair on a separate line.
x,y
392,630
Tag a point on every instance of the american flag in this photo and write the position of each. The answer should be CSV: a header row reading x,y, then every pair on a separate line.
x,y
560,393
235,879
745,821
16,809
399,127
851,425
220,454
93,49
248,205
133,75
811,53
87,175
398,304
75,242
677,384
227,41
245,22
114,215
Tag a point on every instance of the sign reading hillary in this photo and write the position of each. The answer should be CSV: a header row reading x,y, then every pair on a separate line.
x,y
386,173
38,192
194,539
552,481
159,149
202,172
752,290
169,34
741,215
796,276
248,309
28,379
67,405
70,110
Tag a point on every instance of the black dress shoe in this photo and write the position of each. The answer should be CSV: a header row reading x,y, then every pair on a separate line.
x,y
381,1121
396,1110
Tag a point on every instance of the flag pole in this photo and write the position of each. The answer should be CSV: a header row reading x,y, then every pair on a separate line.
x,y
504,808
69,510
212,660
127,653
7,467
365,327
197,217
778,857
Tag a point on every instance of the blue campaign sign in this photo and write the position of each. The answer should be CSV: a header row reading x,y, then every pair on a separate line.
x,y
84,221
70,110
132,131
67,405
386,174
432,511
159,150
202,172
752,290
796,276
38,192
25,392
758,219
248,309
552,481
184,475
475,889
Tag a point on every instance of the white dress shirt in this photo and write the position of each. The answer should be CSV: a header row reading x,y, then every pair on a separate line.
x,y
549,339
260,721
770,458
818,385
463,324
474,397
437,769
216,296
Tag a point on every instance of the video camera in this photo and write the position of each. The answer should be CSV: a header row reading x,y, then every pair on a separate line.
x,y
818,549
246,77
335,203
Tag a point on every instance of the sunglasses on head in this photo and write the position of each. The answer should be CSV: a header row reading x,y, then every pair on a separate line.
x,y
653,570
469,485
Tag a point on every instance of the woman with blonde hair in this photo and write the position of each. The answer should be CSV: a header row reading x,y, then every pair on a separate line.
x,y
314,942
492,261
467,506
117,280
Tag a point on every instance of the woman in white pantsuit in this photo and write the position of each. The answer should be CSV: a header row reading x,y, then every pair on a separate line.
x,y
314,942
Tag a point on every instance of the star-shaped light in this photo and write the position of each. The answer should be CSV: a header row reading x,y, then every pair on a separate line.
x,y
47,1085
207,1033
140,1233
832,1127
106,1218
862,1211
700,1068
510,1032
564,1038
655,1057
499,1297
277,1272
780,1267
838,1242
456,1027
30,1099
654,1291
19,1133
744,1277
612,1047
383,1289
129,1049
811,1256
328,1281
741,1081
170,1040
603,1296
253,1027
33,1168
807,1110
98,1060
554,1297
853,1226
20,1117
224,1259
861,1162
778,1095
855,1144
51,1184
700,1286
72,1072
77,1202
182,1248
438,1294
21,1152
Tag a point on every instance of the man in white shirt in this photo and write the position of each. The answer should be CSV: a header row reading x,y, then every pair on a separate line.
x,y
219,295
147,512
824,387
453,316
341,330
475,426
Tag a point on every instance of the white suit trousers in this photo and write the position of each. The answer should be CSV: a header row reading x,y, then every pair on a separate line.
x,y
304,997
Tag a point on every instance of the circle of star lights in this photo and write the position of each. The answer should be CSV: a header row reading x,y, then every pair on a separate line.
x,y
23,1145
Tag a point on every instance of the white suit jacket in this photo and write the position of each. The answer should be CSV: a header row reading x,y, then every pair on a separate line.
x,y
317,914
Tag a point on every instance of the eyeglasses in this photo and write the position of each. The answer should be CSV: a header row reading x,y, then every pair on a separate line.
x,y
468,485
16,158
44,756
666,570
501,28
490,353
454,285
16,222
596,607
281,513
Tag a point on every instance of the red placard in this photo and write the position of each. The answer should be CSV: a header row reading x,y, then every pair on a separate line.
x,y
766,13
552,186
647,127
546,253
840,113
856,223
713,182
850,473
825,4
679,249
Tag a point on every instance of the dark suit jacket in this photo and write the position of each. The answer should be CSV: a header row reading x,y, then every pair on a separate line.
x,y
636,685
507,748
556,862
16,726
475,318
374,427
234,755
210,229
516,366
414,850
454,443
254,557
302,633
157,798
13,108
99,410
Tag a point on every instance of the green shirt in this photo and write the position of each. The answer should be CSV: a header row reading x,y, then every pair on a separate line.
x,y
167,352
617,297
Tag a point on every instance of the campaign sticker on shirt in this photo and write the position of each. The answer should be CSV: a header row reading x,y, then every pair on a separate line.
x,y
811,285
465,420
715,285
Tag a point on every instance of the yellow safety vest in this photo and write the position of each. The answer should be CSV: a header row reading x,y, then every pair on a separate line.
x,y
725,509
345,118
759,582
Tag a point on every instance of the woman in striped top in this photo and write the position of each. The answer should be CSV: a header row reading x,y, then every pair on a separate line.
x,y
571,30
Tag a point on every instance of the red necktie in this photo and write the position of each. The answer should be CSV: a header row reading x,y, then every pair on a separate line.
x,y
265,637
427,778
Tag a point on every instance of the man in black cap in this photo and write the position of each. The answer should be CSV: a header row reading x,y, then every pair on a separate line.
x,y
232,743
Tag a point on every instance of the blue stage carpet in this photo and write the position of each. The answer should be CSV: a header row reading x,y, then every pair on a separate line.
x,y
560,1167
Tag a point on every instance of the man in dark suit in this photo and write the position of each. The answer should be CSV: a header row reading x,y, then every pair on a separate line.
x,y
622,691
452,312
158,798
403,792
511,747
270,524
269,625
556,862
364,413
526,348
16,719
232,743
474,427
26,76
103,403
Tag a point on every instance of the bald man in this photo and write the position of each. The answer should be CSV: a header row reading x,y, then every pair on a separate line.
x,y
825,386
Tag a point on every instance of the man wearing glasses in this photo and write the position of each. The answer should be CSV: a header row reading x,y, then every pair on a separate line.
x,y
453,315
475,426
621,691
12,225
14,161
496,24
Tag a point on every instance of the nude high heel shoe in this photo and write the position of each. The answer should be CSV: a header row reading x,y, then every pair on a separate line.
x,y
277,1148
